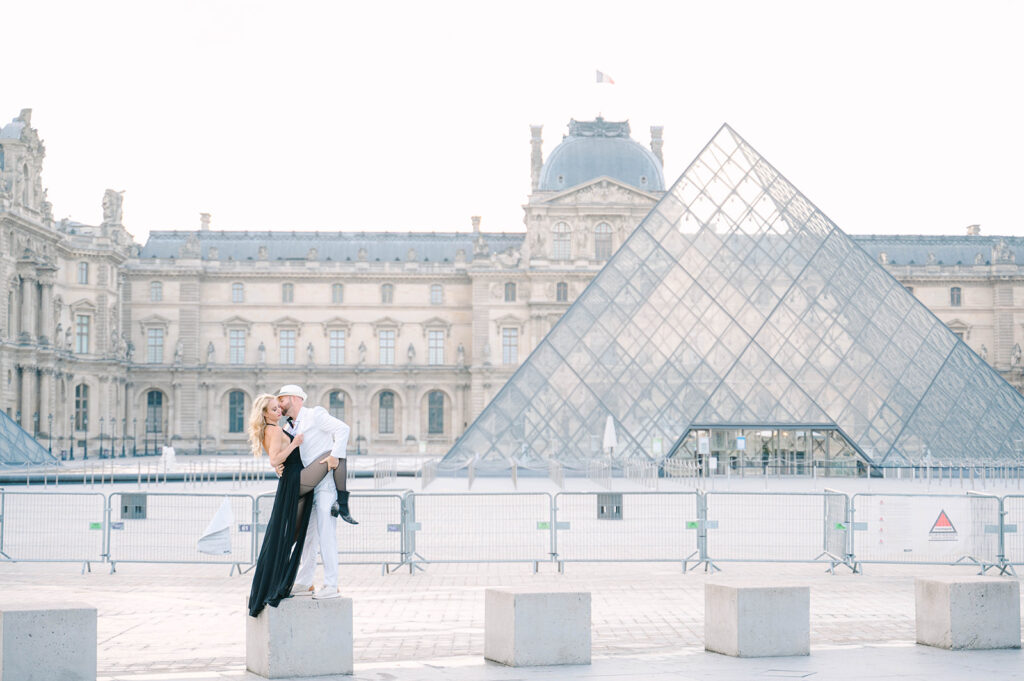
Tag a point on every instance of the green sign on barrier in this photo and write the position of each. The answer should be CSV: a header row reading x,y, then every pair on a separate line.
x,y
692,524
543,525
95,526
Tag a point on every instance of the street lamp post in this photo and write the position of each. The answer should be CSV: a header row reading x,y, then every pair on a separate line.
x,y
101,437
113,437
17,416
49,429
200,437
71,437
135,446
146,436
124,434
35,424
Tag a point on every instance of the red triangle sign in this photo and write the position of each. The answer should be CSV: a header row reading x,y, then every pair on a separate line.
x,y
943,524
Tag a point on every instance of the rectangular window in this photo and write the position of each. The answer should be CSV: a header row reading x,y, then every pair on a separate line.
x,y
337,346
387,347
155,346
156,291
287,346
510,346
287,293
82,334
435,347
83,273
236,341
237,293
436,294
337,294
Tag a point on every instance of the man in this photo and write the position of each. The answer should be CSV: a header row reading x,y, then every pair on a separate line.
x,y
322,435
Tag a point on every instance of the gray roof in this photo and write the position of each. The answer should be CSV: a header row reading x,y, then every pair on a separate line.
x,y
12,131
329,245
947,250
594,149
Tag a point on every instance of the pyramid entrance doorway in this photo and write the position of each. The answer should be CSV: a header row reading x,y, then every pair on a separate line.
x,y
753,451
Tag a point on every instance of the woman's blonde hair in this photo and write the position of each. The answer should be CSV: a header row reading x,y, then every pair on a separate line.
x,y
258,422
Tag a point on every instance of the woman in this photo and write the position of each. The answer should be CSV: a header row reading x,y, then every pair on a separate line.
x,y
289,518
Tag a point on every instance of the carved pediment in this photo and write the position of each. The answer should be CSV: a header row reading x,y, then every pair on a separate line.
x,y
335,324
437,324
508,320
236,322
287,322
154,321
601,190
386,323
83,305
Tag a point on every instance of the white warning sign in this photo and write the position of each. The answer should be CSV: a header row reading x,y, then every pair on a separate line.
x,y
942,528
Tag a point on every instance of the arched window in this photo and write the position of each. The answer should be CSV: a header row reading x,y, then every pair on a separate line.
x,y
561,241
561,292
237,293
82,407
337,294
603,241
156,291
436,294
386,414
435,413
287,293
387,293
510,292
154,411
955,296
336,405
236,411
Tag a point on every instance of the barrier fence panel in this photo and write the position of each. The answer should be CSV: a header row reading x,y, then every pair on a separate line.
x,y
926,528
766,526
377,539
1013,528
165,528
52,526
475,527
626,526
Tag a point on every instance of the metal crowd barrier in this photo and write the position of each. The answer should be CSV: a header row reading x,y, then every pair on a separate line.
x,y
791,527
53,527
479,527
688,527
940,529
165,528
379,538
1013,529
627,526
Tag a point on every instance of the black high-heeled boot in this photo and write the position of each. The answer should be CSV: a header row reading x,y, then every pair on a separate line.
x,y
340,507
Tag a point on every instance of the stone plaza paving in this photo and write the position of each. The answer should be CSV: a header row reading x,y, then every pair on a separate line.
x,y
187,621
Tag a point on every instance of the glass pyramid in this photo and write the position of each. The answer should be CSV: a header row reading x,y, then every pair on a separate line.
x,y
18,448
736,302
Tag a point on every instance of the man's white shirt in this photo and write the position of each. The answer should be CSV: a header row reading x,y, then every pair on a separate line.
x,y
321,433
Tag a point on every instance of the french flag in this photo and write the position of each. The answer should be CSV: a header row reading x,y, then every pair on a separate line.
x,y
604,78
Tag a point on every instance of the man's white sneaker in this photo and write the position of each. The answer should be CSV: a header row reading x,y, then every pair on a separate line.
x,y
327,592
302,590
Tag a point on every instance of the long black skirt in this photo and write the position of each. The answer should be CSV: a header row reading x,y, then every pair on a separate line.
x,y
282,543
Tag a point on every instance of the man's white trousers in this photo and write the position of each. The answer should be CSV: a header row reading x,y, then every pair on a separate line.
x,y
322,534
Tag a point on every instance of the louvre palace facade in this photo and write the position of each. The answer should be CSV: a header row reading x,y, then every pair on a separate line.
x,y
111,344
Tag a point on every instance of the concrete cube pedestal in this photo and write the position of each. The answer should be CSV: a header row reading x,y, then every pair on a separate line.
x,y
301,637
43,643
757,621
965,613
526,627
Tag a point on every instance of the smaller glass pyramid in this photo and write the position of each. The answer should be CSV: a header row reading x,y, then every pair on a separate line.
x,y
737,303
18,448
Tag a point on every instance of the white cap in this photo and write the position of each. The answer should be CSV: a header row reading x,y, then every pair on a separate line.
x,y
292,390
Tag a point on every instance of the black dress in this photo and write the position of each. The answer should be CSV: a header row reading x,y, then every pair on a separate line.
x,y
282,544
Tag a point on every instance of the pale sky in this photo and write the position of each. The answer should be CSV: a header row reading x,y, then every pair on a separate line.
x,y
893,117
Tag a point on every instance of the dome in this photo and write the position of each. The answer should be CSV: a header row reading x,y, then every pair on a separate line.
x,y
596,148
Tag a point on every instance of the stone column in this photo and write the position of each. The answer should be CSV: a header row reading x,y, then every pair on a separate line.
x,y
46,312
45,399
27,310
29,391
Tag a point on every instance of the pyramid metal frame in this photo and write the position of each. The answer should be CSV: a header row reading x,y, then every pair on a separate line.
x,y
18,448
736,302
